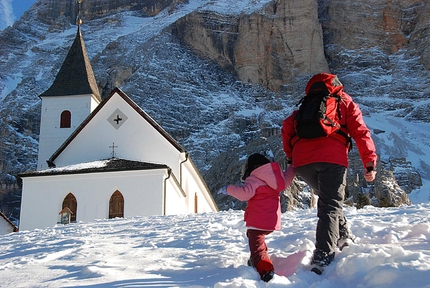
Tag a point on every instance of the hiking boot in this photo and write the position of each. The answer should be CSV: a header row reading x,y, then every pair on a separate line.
x,y
320,259
266,277
346,238
344,242
317,269
265,269
250,262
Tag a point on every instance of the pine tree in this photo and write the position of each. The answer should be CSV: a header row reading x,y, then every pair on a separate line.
x,y
362,201
383,202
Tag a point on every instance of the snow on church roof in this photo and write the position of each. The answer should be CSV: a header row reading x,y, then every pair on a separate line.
x,y
108,165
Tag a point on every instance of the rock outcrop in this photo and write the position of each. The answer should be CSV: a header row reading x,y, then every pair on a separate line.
x,y
269,47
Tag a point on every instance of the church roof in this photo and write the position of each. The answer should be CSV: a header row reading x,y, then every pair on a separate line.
x,y
108,165
76,75
15,229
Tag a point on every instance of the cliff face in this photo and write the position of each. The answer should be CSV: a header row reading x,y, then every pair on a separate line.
x,y
389,25
51,11
385,36
269,47
284,40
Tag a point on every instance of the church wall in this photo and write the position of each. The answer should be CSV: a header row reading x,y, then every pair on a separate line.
x,y
141,190
135,139
143,193
195,185
51,135
176,203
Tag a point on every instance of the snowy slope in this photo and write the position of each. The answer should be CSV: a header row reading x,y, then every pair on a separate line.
x,y
212,102
210,250
404,139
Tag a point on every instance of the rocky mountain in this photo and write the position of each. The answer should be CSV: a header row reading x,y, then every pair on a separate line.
x,y
220,76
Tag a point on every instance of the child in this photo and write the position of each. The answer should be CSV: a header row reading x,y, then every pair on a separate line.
x,y
264,180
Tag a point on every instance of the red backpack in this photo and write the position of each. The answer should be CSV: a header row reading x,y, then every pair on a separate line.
x,y
319,111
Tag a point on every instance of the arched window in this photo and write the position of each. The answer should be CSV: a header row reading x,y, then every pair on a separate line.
x,y
116,205
71,203
66,119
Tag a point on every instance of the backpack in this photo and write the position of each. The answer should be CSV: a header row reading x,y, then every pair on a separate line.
x,y
319,111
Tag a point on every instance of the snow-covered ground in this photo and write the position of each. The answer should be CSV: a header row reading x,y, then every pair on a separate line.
x,y
210,250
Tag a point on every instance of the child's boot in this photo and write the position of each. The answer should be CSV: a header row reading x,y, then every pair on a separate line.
x,y
265,269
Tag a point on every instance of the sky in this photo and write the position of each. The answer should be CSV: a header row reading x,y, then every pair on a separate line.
x,y
11,10
210,250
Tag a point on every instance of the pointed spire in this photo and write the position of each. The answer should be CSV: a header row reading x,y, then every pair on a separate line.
x,y
76,76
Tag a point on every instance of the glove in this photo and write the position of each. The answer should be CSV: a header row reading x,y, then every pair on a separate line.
x,y
223,191
370,174
289,175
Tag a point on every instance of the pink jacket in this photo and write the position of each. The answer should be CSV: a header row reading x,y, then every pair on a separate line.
x,y
262,191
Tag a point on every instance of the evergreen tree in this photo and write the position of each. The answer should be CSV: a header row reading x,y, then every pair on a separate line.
x,y
383,202
362,201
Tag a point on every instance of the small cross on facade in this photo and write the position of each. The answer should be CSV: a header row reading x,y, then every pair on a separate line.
x,y
113,149
117,119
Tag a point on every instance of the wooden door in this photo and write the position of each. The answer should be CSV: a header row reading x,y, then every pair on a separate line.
x,y
116,205
71,203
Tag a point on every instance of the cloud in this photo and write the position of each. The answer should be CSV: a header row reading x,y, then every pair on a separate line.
x,y
6,13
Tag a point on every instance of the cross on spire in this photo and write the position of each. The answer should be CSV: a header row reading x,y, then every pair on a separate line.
x,y
113,150
79,17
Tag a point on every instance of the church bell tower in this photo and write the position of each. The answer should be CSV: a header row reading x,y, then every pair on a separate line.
x,y
69,101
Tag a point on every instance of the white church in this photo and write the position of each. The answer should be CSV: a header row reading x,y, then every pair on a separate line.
x,y
101,159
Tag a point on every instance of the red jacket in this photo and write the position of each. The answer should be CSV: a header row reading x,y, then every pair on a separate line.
x,y
329,149
261,189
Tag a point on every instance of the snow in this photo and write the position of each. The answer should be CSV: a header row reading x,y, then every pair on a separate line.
x,y
404,139
232,7
10,84
210,250
79,166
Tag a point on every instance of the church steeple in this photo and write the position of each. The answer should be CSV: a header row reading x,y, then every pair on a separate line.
x,y
70,99
76,76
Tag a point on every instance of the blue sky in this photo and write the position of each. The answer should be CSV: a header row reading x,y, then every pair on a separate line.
x,y
11,10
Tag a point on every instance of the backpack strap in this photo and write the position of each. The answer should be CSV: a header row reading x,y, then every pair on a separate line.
x,y
294,139
342,135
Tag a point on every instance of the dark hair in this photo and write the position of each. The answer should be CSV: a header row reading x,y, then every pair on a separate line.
x,y
254,161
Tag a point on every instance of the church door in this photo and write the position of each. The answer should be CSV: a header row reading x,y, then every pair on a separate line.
x,y
71,203
116,205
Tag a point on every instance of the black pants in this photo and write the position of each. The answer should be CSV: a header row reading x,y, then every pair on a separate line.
x,y
328,182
